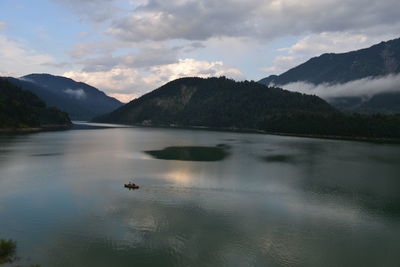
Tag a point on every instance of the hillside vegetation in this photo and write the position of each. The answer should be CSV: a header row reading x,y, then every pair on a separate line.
x,y
224,103
214,102
23,109
80,100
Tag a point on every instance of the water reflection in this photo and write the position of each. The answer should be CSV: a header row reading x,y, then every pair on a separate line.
x,y
182,176
331,203
204,231
46,154
191,153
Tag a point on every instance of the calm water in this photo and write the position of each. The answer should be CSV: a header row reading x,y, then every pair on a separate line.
x,y
273,201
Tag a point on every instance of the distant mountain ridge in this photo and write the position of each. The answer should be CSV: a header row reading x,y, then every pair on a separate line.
x,y
80,100
376,61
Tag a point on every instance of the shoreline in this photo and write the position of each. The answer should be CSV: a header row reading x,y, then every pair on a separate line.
x,y
43,128
46,128
258,131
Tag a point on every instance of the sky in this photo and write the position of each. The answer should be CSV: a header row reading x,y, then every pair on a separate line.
x,y
127,48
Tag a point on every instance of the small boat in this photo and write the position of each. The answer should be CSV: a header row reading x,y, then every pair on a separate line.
x,y
131,186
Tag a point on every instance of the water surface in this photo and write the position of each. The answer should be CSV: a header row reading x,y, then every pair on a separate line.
x,y
272,201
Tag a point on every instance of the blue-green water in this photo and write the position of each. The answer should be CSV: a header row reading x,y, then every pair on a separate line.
x,y
273,201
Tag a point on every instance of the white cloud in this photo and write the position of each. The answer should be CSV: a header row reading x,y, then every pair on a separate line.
x,y
124,98
336,42
77,93
18,59
3,25
127,82
191,67
366,87
116,80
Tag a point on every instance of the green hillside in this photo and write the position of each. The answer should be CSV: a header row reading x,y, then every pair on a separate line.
x,y
23,109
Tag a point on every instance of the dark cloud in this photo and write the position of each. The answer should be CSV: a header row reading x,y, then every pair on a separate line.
x,y
201,20
190,20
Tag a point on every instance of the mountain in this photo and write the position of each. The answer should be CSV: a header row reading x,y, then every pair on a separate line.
x,y
22,109
80,100
224,103
214,102
376,61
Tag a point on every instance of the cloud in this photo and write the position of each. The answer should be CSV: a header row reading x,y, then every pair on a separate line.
x,y
337,42
190,20
366,87
152,56
124,98
126,82
103,63
99,56
18,59
3,26
77,93
191,67
116,80
143,59
90,48
204,19
263,20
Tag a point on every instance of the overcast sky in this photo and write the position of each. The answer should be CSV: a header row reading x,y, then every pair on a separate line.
x,y
129,47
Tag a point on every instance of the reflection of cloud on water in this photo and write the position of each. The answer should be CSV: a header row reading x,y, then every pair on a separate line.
x,y
183,175
218,229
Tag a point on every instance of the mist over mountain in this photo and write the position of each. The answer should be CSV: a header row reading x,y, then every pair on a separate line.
x,y
80,100
355,81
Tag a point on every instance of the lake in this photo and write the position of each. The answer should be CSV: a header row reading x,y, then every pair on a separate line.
x,y
264,200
